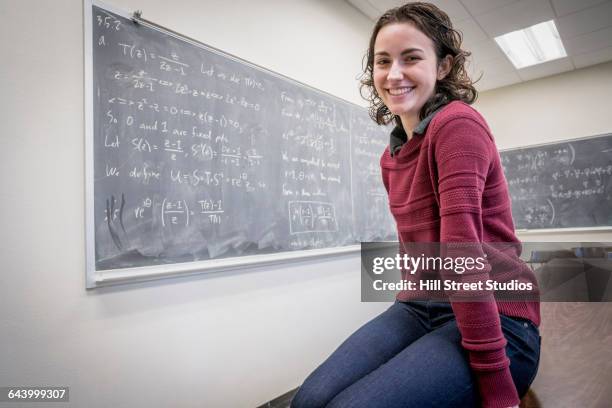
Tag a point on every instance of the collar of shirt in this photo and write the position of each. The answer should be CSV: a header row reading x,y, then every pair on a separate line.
x,y
398,135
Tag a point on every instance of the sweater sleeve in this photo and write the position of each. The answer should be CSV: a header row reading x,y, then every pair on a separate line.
x,y
463,154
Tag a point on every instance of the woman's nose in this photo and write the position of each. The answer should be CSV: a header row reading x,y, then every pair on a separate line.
x,y
395,72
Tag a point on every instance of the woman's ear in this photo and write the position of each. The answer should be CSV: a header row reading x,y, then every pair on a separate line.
x,y
444,67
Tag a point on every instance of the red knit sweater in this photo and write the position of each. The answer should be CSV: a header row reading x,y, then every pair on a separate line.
x,y
447,185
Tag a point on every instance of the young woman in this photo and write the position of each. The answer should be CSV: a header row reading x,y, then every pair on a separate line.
x,y
445,183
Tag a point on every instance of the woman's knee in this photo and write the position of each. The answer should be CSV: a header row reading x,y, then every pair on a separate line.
x,y
311,397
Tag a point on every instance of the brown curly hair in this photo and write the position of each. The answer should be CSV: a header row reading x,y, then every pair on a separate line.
x,y
436,24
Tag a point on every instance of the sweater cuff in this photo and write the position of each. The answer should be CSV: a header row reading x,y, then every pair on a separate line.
x,y
497,389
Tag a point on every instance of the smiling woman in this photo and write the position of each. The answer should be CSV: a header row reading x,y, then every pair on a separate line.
x,y
445,183
428,49
406,70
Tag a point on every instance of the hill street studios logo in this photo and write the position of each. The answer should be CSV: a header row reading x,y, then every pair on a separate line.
x,y
456,271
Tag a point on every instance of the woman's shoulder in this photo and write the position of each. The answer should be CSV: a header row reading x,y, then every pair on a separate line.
x,y
458,109
461,113
460,125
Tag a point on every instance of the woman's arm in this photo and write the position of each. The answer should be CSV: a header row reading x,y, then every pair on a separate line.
x,y
463,152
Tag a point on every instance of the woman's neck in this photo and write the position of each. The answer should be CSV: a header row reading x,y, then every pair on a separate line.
x,y
409,123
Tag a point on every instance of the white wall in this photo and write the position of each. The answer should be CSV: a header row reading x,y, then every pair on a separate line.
x,y
566,106
226,340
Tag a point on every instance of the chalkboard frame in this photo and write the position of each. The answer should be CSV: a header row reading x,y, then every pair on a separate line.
x,y
530,231
96,278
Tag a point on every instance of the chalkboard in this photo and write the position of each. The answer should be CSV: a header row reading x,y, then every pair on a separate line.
x,y
195,155
561,185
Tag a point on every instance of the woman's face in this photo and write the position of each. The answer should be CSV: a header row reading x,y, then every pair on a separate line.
x,y
405,69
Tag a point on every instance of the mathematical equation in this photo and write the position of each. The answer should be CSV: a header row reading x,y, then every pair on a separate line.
x,y
311,216
199,154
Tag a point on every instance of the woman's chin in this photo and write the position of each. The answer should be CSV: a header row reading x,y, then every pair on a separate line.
x,y
400,111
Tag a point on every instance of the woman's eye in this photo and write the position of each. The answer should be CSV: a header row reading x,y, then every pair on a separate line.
x,y
381,62
410,59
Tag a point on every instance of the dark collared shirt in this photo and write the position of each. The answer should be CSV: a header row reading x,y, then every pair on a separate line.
x,y
398,135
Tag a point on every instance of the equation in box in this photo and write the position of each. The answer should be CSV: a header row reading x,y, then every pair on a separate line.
x,y
311,216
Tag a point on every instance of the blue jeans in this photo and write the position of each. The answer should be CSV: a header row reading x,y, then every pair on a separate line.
x,y
411,356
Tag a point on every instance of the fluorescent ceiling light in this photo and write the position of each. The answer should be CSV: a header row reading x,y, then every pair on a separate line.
x,y
532,45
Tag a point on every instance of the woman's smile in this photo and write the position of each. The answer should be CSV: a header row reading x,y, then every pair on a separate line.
x,y
399,92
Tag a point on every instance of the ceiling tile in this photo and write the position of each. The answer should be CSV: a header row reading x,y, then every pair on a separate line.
x,y
546,69
585,21
366,8
472,33
485,50
453,8
592,58
384,5
564,7
515,16
490,69
476,7
497,81
589,42
494,66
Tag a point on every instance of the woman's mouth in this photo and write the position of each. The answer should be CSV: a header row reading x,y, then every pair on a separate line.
x,y
400,91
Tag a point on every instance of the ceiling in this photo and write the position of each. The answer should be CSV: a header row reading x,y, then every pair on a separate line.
x,y
585,27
